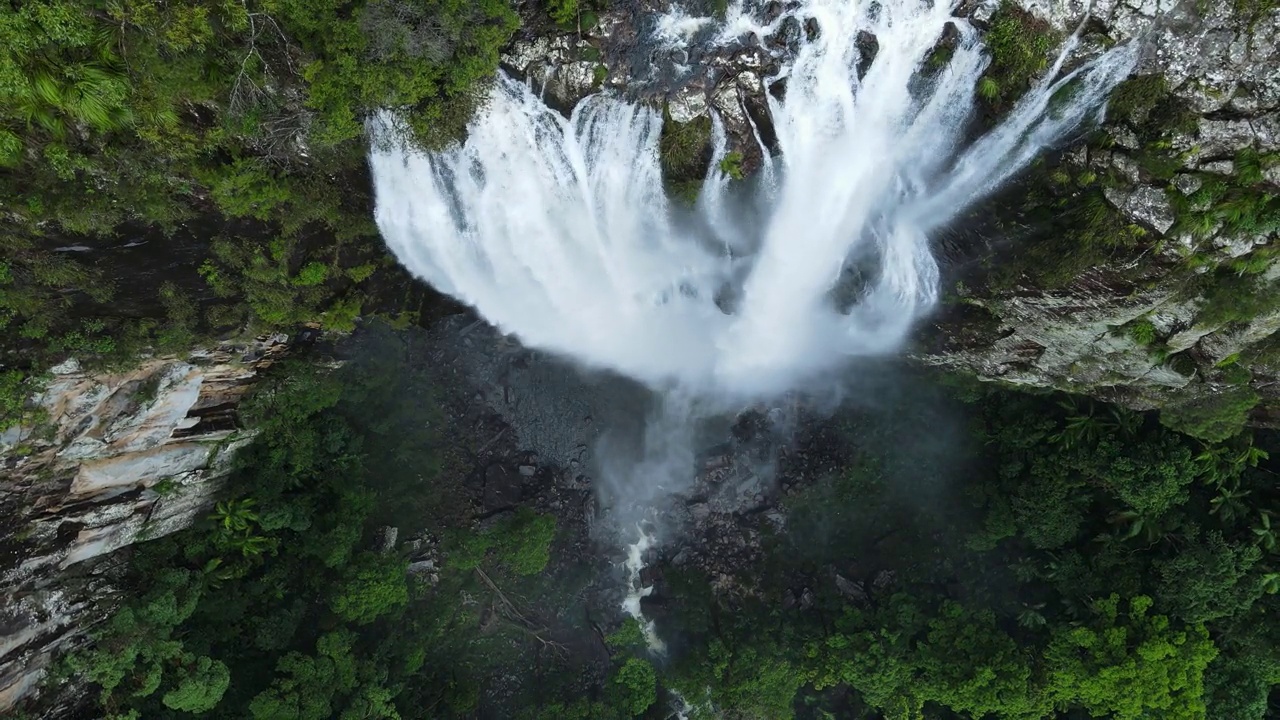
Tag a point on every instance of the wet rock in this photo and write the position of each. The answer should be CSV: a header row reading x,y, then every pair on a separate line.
x,y
1187,184
727,100
1126,167
1145,204
1218,167
687,104
852,590
571,82
389,536
502,487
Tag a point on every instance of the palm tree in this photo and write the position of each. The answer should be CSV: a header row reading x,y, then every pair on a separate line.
x,y
235,516
1263,534
1229,504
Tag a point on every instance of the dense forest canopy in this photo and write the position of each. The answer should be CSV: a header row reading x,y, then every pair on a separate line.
x,y
137,118
1081,561
1078,562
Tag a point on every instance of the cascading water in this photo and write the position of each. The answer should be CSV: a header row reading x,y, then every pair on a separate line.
x,y
559,231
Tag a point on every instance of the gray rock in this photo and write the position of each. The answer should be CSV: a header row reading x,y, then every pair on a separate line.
x,y
1126,166
1145,204
1219,167
687,104
1187,184
390,534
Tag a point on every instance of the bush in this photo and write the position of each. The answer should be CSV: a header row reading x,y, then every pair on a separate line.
x,y
634,687
1143,332
1020,46
1214,418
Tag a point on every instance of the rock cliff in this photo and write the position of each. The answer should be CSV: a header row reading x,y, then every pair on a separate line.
x,y
118,457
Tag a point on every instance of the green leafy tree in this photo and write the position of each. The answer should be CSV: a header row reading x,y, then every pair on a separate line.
x,y
634,687
1208,579
199,686
1130,665
373,586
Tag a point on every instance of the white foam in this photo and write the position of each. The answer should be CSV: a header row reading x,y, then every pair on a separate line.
x,y
558,230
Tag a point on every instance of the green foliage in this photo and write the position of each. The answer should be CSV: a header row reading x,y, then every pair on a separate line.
x,y
1215,417
1074,231
989,89
1135,98
1143,332
683,151
144,112
199,688
1130,665
137,644
1231,297
1108,552
731,165
630,636
1020,46
634,686
373,586
520,542
15,389
1209,579
563,12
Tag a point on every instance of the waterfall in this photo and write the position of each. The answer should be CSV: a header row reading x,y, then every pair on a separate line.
x,y
558,230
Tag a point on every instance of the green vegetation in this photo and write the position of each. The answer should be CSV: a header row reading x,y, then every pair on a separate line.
x,y
1081,561
1070,228
1143,332
563,12
731,165
1214,418
1111,572
280,604
684,152
1020,47
251,116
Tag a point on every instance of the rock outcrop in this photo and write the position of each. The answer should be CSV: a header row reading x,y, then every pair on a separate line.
x,y
1189,311
119,458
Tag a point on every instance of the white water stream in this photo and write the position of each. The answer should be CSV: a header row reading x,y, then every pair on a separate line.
x,y
558,230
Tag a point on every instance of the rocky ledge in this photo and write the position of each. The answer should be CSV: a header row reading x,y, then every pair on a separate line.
x,y
119,457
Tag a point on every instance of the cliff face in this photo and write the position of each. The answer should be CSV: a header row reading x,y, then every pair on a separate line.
x,y
120,458
1181,313
1139,265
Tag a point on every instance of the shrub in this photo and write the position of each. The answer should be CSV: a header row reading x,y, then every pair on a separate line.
x,y
1143,332
635,687
1214,418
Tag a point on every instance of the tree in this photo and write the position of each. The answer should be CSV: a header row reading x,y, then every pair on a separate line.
x,y
1129,665
1208,579
199,686
373,586
305,685
634,687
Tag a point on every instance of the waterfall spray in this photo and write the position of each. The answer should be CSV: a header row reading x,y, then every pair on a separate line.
x,y
558,230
